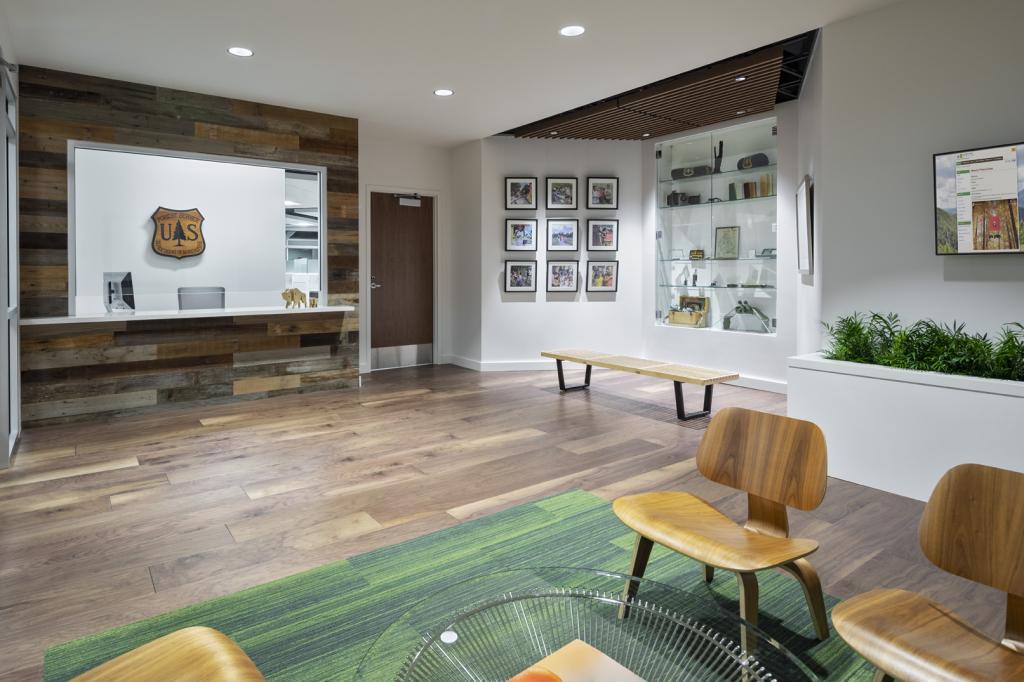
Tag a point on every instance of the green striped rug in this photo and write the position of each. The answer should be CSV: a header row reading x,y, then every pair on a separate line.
x,y
317,624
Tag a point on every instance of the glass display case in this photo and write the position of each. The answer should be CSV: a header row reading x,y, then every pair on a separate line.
x,y
717,229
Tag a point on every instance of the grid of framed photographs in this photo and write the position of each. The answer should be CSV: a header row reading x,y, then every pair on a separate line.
x,y
561,234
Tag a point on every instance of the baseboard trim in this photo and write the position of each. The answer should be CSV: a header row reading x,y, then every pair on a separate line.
x,y
761,384
757,383
460,361
517,365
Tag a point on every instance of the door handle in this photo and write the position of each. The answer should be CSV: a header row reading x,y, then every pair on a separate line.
x,y
374,285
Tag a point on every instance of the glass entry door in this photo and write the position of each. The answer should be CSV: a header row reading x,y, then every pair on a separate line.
x,y
10,383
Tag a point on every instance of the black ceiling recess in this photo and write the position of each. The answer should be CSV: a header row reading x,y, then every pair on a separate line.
x,y
705,96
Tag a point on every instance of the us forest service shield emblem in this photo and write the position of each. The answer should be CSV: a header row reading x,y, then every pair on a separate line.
x,y
178,234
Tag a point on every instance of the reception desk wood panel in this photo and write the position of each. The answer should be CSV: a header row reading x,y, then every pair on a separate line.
x,y
83,370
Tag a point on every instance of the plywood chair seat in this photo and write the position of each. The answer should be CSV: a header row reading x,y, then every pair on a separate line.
x,y
196,653
779,462
687,524
913,638
973,527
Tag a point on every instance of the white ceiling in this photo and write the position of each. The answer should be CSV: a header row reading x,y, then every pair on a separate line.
x,y
380,60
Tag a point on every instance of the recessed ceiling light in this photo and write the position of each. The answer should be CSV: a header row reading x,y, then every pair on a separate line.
x,y
240,51
571,31
646,135
444,92
740,79
741,112
553,132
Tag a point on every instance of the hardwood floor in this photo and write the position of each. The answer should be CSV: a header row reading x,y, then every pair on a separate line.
x,y
105,523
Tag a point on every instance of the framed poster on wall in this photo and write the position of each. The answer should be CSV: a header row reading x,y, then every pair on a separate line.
x,y
805,227
521,194
520,276
520,234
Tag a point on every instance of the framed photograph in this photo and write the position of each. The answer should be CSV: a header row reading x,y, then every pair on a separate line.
x,y
603,275
561,193
602,235
521,194
563,234
805,227
563,275
602,193
727,242
520,275
520,234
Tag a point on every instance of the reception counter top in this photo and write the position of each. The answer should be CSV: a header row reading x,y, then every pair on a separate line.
x,y
142,315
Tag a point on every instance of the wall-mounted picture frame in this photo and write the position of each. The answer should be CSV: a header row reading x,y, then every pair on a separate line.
x,y
602,193
603,235
805,226
520,276
563,275
563,234
602,275
521,234
727,242
520,194
561,193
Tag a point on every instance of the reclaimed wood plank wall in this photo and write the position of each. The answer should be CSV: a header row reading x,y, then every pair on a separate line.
x,y
56,107
74,372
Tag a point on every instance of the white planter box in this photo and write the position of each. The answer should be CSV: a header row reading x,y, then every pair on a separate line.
x,y
899,430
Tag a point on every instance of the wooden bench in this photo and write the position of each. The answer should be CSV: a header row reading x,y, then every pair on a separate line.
x,y
677,374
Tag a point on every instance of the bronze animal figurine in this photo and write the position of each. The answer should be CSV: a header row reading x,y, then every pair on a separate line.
x,y
294,297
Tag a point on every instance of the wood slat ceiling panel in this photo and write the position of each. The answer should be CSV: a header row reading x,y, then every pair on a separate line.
x,y
699,98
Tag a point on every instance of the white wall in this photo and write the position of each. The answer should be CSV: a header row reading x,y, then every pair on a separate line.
x,y
515,328
5,37
116,194
464,281
900,84
808,287
391,162
759,359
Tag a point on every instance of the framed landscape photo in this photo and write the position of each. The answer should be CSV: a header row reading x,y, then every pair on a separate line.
x,y
603,275
563,234
520,234
602,235
521,194
602,193
520,275
563,275
561,193
727,242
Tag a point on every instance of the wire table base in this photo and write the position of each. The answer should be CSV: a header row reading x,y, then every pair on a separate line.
x,y
501,633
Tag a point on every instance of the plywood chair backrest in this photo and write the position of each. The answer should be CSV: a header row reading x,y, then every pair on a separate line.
x,y
775,459
973,526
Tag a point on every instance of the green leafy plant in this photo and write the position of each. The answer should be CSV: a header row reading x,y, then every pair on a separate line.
x,y
1008,357
926,345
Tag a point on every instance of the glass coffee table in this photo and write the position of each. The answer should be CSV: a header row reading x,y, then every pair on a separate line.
x,y
494,626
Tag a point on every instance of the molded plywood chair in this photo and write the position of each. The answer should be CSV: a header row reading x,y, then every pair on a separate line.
x,y
778,461
973,527
196,653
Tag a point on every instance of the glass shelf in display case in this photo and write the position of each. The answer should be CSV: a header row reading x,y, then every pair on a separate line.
x,y
717,227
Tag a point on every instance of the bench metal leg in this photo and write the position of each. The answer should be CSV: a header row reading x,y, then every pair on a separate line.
x,y
681,413
561,379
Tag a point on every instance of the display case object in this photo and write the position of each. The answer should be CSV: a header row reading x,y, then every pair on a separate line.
x,y
717,229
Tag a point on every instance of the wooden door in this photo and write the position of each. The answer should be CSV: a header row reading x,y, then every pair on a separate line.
x,y
401,271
